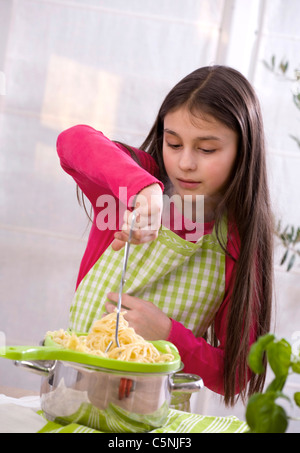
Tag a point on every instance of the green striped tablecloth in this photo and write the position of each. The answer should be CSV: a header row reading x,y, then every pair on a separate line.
x,y
177,422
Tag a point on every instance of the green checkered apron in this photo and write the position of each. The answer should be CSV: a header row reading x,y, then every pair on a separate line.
x,y
185,280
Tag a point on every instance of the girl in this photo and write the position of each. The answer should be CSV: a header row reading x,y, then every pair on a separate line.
x,y
208,142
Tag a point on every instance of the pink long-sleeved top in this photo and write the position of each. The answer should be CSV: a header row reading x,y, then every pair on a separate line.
x,y
100,167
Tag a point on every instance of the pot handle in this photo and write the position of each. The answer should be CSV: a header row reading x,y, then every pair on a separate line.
x,y
40,367
188,383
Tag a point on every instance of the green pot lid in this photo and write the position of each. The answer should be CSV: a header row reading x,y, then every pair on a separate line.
x,y
53,351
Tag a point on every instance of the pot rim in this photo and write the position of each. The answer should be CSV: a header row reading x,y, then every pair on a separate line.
x,y
96,368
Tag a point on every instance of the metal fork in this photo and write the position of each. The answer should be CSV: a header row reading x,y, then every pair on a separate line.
x,y
125,259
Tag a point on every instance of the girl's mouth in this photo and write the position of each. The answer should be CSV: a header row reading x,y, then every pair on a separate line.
x,y
188,183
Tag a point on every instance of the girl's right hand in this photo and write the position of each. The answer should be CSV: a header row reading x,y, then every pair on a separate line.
x,y
148,207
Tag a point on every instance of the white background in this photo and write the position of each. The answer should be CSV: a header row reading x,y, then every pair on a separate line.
x,y
109,64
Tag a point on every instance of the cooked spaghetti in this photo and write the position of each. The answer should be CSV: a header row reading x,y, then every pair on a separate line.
x,y
133,347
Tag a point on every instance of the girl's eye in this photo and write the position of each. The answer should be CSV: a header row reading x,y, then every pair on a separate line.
x,y
174,146
207,151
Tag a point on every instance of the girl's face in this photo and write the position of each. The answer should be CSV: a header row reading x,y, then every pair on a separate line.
x,y
198,153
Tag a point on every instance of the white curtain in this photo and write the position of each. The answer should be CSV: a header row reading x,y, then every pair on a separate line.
x,y
109,63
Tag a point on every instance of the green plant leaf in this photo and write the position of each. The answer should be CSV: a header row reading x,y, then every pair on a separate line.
x,y
263,415
284,257
273,60
297,238
292,232
296,98
297,398
297,140
291,262
296,366
283,66
277,384
279,357
286,66
255,357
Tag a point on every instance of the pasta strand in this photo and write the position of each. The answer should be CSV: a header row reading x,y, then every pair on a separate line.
x,y
133,347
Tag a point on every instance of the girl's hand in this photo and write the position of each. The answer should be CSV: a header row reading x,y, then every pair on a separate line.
x,y
146,319
148,207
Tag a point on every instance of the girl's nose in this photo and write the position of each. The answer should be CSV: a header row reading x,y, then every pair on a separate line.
x,y
187,161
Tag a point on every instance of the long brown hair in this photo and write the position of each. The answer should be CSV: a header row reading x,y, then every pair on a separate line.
x,y
225,94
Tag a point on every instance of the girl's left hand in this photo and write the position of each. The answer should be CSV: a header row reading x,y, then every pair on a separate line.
x,y
146,319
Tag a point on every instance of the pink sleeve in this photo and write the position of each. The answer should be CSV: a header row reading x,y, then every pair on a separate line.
x,y
99,165
198,356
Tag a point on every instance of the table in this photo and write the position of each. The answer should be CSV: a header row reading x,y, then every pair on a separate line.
x,y
20,412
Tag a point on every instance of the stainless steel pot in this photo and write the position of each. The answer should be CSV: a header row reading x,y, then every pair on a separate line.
x,y
107,399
